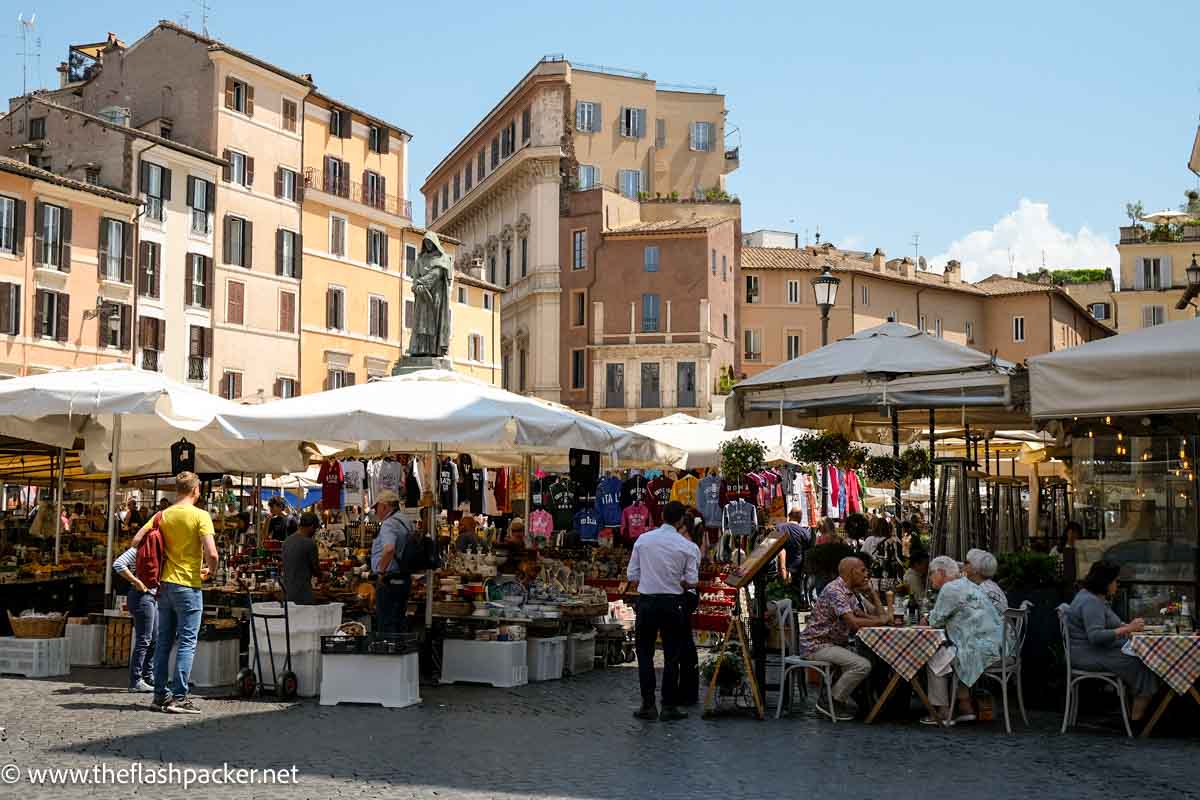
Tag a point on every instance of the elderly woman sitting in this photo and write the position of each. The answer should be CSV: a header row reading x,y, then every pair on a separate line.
x,y
979,569
975,632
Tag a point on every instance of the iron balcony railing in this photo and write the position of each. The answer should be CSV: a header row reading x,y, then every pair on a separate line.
x,y
365,193
197,368
150,360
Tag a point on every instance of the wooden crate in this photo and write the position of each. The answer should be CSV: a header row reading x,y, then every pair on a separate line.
x,y
118,637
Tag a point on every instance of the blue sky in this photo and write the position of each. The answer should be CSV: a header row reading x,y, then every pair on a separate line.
x,y
995,131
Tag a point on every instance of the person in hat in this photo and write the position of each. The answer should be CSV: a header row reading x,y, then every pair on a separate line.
x,y
300,560
392,583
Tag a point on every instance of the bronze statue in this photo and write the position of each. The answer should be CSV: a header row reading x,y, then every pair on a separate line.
x,y
431,300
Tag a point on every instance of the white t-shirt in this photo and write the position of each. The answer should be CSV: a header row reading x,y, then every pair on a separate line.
x,y
663,560
354,475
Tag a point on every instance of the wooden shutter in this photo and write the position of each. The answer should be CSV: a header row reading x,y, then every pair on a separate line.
x,y
382,192
191,191
344,180
208,342
126,327
143,278
385,140
127,253
287,312
298,254
190,276
210,197
160,334
102,249
39,223
196,341
383,319
279,181
226,168
166,183
329,181
249,171
146,331
597,125
143,176
330,309
349,377
277,390
38,304
247,244
249,100
384,260
208,281
373,317
229,82
19,227
279,251
156,284
6,308
64,317
1164,273
328,380
68,219
366,192
227,240
235,306
1139,282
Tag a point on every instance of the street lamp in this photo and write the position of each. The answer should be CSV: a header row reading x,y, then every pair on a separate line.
x,y
825,288
1193,285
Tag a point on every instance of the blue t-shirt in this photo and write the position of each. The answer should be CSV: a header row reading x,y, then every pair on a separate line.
x,y
708,500
587,525
392,531
608,502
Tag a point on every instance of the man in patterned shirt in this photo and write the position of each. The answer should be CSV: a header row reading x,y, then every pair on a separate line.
x,y
838,613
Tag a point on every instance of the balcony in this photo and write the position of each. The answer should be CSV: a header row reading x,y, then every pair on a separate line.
x,y
1140,234
150,360
197,368
341,186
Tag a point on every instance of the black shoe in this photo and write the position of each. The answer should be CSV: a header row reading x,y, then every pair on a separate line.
x,y
647,713
672,713
160,703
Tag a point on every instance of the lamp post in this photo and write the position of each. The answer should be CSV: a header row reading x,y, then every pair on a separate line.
x,y
1193,286
825,288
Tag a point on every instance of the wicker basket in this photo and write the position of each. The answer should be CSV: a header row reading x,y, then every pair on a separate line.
x,y
37,627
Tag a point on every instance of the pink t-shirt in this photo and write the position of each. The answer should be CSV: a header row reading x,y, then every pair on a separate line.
x,y
541,523
635,520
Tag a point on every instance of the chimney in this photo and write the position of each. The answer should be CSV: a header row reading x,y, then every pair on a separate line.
x,y
877,260
906,267
953,272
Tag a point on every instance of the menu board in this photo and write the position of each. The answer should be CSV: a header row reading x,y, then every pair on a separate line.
x,y
766,550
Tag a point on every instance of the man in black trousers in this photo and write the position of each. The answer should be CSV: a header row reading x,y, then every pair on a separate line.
x,y
663,565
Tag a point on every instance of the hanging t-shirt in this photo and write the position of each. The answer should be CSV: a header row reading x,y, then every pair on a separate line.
x,y
541,524
475,491
657,497
538,491
500,490
584,467
731,491
562,504
635,520
331,479
354,479
684,490
414,483
740,518
708,500
385,476
490,506
608,502
448,484
633,491
587,525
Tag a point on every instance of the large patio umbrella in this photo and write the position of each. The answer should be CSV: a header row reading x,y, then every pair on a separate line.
x,y
1167,217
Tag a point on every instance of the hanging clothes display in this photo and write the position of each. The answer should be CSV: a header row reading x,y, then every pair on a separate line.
x,y
353,476
587,524
708,500
491,505
635,520
634,491
853,493
740,518
562,504
414,483
658,494
684,490
608,502
475,491
739,490
500,491
331,479
538,491
447,484
541,524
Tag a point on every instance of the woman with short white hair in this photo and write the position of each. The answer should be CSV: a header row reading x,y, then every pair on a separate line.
x,y
980,569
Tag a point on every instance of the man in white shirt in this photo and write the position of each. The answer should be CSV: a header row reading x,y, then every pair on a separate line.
x,y
663,565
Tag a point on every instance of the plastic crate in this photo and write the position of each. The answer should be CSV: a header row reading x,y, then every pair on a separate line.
x,y
34,658
85,645
304,621
390,681
502,664
305,663
581,653
214,664
544,658
343,645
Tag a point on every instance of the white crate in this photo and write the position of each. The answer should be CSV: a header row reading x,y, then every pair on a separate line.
x,y
85,645
303,621
305,663
34,658
545,658
502,664
581,653
391,681
215,663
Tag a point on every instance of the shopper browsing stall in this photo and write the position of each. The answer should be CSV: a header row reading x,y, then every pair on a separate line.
x,y
300,561
142,575
393,583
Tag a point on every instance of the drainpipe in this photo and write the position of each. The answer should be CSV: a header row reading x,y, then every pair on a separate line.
x,y
137,241
919,291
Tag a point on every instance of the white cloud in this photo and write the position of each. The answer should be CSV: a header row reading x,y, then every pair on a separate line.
x,y
1026,235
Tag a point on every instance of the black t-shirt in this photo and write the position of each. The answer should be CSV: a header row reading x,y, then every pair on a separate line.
x,y
562,505
475,491
633,491
278,528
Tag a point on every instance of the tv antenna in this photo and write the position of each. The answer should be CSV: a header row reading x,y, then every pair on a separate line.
x,y
916,243
29,39
205,8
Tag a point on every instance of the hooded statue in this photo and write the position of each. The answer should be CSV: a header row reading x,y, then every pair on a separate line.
x,y
431,300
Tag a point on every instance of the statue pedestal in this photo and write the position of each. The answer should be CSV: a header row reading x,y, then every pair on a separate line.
x,y
408,364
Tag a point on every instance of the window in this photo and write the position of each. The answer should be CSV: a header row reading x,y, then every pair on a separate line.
x,y
54,231
377,245
12,221
152,337
457,183
793,292
408,314
685,384
231,385
468,178
578,369
578,250
289,115
633,122
37,128
495,152
475,348
725,325
239,96
337,177
724,267
578,309
92,175
969,330
614,386
52,315
492,267
753,342
702,136
587,116
650,258
462,295
445,196
113,254
237,168
526,125
487,301
937,328
507,264
410,260
337,236
238,241
1099,310
287,253
660,133
524,256
508,136
589,176
285,184
752,295
377,324
505,372
651,394
1018,328
335,308
1153,315
235,303
150,269
650,307
115,319
338,379
521,366
287,312
340,123
200,200
793,346
1150,275
377,139
156,186
199,279
864,295
285,387
480,168
199,351
630,182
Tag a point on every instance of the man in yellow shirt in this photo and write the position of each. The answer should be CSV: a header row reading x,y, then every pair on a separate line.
x,y
190,556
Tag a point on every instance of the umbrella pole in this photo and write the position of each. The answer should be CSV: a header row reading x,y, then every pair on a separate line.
x,y
527,466
433,531
113,478
62,459
896,455
932,469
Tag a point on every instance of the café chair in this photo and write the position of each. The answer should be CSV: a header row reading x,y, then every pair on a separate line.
x,y
1077,676
788,631
1007,668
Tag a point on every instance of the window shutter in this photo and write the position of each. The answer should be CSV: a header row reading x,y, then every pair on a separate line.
x,y
146,331
329,309
385,140
102,249
127,253
191,191
160,334
347,125
277,391
383,319
279,251
1164,273
373,318
384,260
1139,280
279,181
6,308
195,341
208,281
227,241
143,176
228,92
126,328
19,227
39,218
249,171
329,180
349,378
208,342
210,196
366,196
597,123
38,301
247,244
249,100
191,276
328,380
143,279
226,168
298,254
382,192
64,316
166,184
156,284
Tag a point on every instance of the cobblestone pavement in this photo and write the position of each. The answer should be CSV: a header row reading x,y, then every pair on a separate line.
x,y
565,739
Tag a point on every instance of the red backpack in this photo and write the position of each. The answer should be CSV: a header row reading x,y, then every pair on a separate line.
x,y
150,554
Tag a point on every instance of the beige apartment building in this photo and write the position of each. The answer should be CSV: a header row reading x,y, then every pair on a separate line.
x,y
173,235
779,319
1153,274
505,191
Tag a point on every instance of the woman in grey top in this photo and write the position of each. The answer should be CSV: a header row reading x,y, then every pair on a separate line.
x,y
1097,635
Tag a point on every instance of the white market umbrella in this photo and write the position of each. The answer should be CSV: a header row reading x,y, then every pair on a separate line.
x,y
1167,217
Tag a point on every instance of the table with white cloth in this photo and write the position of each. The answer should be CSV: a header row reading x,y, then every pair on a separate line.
x,y
906,650
1173,657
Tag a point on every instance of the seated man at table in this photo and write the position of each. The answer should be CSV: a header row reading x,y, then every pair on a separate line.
x,y
838,613
974,631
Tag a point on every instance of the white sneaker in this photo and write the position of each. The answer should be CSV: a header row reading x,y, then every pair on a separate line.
x,y
141,687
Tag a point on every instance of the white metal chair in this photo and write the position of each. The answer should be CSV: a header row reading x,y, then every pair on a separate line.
x,y
1077,676
1007,668
788,632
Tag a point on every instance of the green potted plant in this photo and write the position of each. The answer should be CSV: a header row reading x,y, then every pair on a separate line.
x,y
882,470
1035,577
740,456
823,448
730,676
917,463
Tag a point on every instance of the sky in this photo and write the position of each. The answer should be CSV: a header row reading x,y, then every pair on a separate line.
x,y
1002,134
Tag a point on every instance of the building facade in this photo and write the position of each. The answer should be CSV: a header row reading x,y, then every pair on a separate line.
x,y
56,309
1154,264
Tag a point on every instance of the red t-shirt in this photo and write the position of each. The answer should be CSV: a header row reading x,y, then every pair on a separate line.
x,y
332,479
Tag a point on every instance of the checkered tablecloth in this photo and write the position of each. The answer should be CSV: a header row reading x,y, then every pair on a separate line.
x,y
1176,659
905,650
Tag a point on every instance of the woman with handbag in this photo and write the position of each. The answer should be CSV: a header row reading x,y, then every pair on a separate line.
x,y
140,567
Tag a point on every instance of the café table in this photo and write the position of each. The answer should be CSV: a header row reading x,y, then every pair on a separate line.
x,y
906,650
1173,657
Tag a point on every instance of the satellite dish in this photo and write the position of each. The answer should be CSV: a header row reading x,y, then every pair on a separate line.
x,y
922,264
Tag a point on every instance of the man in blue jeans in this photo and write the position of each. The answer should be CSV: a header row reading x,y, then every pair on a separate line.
x,y
191,556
